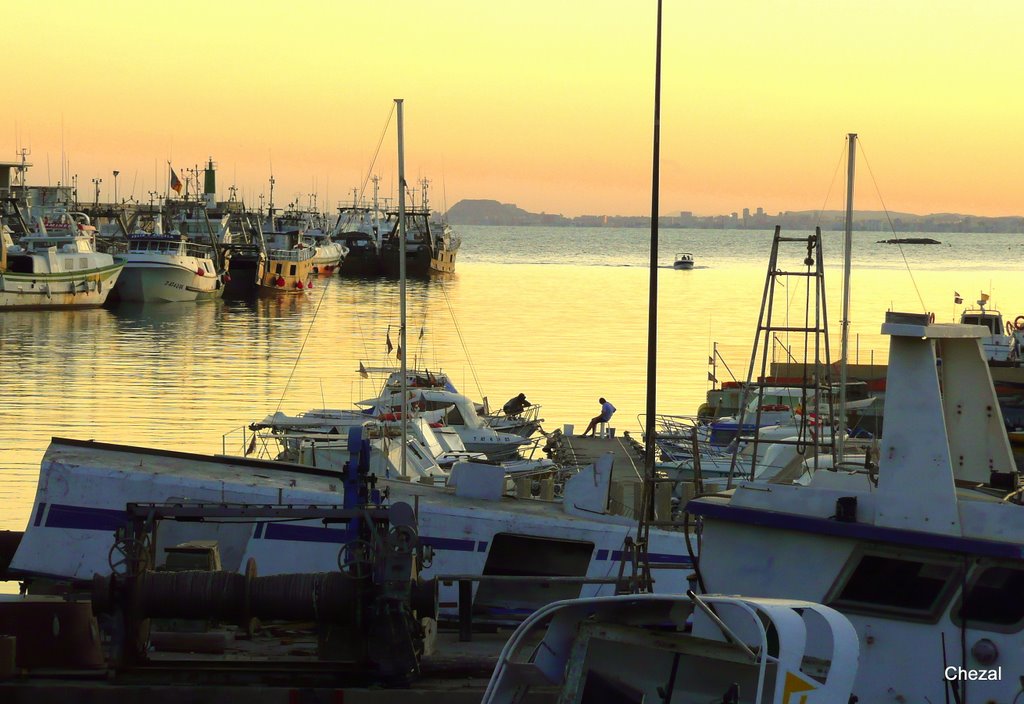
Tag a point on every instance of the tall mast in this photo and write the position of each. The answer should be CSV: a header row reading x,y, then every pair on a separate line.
x,y
847,247
401,280
652,319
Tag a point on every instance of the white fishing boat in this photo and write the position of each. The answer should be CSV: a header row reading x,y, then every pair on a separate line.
x,y
327,255
920,548
56,265
168,268
684,260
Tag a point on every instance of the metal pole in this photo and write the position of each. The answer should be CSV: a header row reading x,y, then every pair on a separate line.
x,y
401,280
652,305
848,244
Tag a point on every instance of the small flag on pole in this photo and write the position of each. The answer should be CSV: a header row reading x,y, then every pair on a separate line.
x,y
957,299
398,353
175,182
421,332
388,342
362,371
984,298
711,360
711,378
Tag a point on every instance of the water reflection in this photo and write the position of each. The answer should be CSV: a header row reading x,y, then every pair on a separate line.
x,y
180,377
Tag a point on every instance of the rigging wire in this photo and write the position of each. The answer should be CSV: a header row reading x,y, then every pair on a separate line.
x,y
891,228
462,341
302,347
373,161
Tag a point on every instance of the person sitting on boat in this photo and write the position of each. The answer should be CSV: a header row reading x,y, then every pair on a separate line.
x,y
607,410
516,405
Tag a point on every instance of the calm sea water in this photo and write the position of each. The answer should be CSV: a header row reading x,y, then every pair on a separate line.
x,y
557,313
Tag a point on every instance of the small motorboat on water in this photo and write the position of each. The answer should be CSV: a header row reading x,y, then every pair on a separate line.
x,y
684,260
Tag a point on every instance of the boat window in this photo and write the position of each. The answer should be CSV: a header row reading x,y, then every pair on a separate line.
x,y
915,587
278,268
83,263
291,271
993,598
535,556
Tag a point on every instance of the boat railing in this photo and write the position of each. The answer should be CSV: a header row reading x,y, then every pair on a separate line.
x,y
246,442
291,255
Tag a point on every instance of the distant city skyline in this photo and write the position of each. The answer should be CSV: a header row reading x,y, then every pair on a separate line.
x,y
548,104
493,212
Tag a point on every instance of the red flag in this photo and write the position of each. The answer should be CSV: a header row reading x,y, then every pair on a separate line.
x,y
175,182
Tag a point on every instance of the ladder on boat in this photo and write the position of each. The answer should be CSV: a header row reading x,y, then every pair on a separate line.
x,y
813,429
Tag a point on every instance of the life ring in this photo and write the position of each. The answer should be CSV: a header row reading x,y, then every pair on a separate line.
x,y
1018,322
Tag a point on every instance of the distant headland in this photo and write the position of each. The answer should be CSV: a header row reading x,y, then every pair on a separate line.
x,y
492,212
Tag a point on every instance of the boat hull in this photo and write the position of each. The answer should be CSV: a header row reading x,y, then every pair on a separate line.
x,y
80,289
84,488
155,282
284,277
419,262
362,262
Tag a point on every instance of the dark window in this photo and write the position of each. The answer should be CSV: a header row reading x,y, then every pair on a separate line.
x,y
292,272
994,597
908,586
278,268
512,554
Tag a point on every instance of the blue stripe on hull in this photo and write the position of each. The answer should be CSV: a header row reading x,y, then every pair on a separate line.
x,y
854,531
109,520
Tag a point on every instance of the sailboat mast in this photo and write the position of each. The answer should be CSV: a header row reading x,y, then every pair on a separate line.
x,y
847,247
401,281
652,308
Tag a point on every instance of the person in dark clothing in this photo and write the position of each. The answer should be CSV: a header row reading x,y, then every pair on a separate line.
x,y
515,406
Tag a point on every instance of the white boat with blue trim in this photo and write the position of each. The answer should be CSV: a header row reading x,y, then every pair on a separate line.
x,y
466,516
920,547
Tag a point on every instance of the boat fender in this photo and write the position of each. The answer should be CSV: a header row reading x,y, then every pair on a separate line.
x,y
309,285
1018,322
200,272
931,318
99,285
280,281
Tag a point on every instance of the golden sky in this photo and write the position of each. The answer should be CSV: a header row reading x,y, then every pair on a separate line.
x,y
544,104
